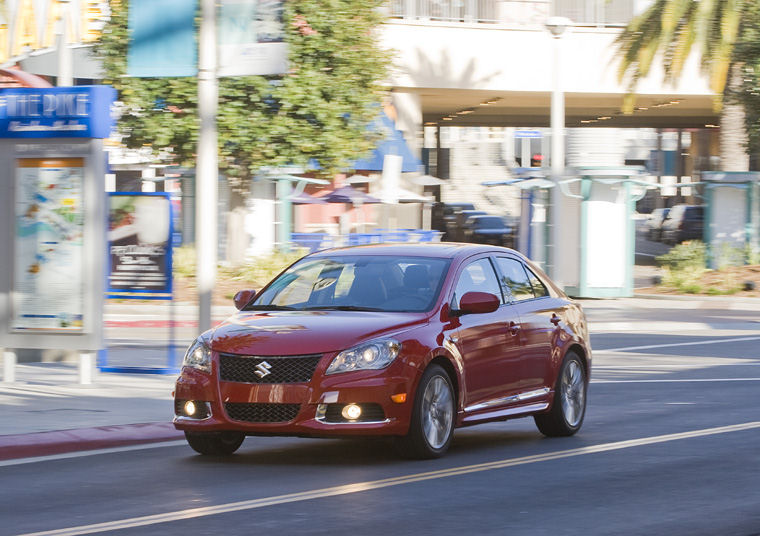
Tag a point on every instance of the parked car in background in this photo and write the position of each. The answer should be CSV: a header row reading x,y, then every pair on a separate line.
x,y
408,341
684,222
455,227
654,222
489,229
444,213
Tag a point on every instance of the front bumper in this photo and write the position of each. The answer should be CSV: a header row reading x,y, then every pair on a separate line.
x,y
299,409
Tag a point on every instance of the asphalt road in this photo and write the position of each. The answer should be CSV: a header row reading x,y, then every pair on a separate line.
x,y
670,445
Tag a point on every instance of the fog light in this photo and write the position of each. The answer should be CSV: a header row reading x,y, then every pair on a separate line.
x,y
351,412
190,408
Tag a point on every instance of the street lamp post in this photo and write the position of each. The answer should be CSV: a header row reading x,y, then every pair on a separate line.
x,y
557,26
207,167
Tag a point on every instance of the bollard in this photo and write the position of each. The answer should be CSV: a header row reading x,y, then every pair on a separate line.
x,y
9,366
86,367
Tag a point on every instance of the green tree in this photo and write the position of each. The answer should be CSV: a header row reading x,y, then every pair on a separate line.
x,y
669,31
318,110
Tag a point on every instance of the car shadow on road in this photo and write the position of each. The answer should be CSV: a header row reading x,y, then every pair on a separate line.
x,y
290,452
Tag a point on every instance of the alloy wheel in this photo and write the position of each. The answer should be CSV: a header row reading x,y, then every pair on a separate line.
x,y
573,393
437,412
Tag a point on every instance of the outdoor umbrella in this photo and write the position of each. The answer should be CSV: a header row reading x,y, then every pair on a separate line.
x,y
349,194
303,198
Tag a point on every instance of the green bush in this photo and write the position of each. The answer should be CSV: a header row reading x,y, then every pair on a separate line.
x,y
184,261
259,270
727,255
262,269
688,255
684,266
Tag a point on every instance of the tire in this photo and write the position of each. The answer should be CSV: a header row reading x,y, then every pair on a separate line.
x,y
569,407
433,417
215,443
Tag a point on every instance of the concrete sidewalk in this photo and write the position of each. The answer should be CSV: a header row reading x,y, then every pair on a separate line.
x,y
46,411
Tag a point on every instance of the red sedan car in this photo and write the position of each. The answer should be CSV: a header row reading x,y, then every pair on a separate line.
x,y
405,340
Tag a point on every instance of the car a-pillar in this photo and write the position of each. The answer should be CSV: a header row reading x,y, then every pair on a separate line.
x,y
53,222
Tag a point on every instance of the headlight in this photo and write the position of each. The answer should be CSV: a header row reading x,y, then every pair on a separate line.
x,y
198,356
367,356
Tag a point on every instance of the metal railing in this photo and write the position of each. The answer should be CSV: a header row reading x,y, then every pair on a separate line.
x,y
599,13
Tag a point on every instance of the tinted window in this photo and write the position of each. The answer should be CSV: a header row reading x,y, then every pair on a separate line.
x,y
478,276
539,289
514,280
694,213
382,283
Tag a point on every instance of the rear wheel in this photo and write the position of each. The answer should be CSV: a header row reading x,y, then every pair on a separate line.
x,y
433,416
569,408
215,443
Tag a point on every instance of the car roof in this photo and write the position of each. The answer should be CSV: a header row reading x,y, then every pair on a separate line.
x,y
447,250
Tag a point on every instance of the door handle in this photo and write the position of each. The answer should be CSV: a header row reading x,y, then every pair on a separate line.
x,y
514,328
555,319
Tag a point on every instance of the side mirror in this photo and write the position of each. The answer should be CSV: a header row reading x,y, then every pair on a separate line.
x,y
478,302
242,298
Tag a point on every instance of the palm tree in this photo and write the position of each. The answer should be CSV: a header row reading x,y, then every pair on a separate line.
x,y
669,31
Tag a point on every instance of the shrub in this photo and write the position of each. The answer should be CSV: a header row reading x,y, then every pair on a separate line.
x,y
684,266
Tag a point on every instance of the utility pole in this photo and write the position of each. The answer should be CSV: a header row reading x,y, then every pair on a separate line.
x,y
207,166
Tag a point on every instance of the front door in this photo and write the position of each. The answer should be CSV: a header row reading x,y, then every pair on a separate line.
x,y
489,342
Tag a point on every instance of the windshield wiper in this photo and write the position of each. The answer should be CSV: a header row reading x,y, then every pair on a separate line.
x,y
342,308
269,307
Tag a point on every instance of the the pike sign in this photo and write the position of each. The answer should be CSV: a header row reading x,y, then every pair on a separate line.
x,y
61,112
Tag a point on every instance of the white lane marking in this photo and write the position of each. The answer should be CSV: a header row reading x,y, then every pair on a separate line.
x,y
693,380
82,453
676,365
676,344
378,484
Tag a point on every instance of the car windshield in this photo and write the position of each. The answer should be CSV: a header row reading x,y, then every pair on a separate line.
x,y
360,282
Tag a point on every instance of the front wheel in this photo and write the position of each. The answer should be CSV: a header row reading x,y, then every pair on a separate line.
x,y
569,408
215,443
433,416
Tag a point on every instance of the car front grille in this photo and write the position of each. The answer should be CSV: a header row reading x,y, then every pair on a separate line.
x,y
246,412
267,370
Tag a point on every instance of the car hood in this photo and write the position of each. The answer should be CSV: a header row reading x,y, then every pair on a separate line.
x,y
304,332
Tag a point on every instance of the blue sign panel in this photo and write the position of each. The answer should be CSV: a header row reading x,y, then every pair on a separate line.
x,y
58,112
162,38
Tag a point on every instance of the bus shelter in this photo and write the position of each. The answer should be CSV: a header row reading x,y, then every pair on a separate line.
x,y
732,213
597,231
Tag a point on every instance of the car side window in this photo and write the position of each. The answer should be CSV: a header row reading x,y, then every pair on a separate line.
x,y
539,289
478,276
514,280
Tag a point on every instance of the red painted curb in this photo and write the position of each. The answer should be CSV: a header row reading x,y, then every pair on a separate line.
x,y
81,439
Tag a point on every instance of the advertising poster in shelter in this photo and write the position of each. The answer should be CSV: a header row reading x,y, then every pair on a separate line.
x,y
139,245
48,254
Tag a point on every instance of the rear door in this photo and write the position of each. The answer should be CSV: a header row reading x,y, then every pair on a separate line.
x,y
539,322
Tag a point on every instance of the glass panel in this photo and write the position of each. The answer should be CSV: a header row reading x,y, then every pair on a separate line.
x,y
514,280
381,283
477,276
539,289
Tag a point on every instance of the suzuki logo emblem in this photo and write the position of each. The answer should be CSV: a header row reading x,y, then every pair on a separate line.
x,y
263,369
